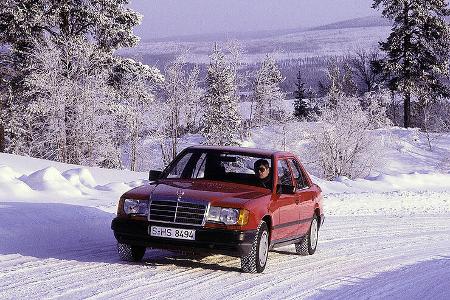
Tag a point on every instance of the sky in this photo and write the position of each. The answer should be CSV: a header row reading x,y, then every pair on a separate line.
x,y
164,18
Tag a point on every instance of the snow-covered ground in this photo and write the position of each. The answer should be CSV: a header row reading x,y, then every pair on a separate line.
x,y
385,236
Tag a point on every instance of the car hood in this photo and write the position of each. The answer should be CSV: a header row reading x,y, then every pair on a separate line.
x,y
141,192
218,193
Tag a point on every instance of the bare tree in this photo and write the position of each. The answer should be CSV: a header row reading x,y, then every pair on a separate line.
x,y
367,79
434,114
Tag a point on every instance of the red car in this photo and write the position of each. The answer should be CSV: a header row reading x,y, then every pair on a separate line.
x,y
228,200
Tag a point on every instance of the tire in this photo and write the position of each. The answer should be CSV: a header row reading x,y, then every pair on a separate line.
x,y
256,260
199,256
309,243
130,253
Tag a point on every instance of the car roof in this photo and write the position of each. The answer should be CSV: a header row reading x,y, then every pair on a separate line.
x,y
243,150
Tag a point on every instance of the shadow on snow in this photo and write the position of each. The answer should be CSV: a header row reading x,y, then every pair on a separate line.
x,y
72,232
424,280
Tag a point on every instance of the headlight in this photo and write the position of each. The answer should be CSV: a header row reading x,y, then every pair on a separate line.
x,y
135,207
228,216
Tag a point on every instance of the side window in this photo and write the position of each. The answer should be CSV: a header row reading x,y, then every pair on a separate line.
x,y
284,174
179,168
298,174
199,170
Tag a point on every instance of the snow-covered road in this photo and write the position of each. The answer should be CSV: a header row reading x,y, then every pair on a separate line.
x,y
395,257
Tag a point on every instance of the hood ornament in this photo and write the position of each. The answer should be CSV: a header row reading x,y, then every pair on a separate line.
x,y
180,193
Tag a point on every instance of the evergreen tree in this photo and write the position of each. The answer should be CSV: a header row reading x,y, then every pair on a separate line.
x,y
301,106
266,91
417,49
221,116
108,23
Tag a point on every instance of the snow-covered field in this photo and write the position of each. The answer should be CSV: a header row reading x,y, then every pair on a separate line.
x,y
385,236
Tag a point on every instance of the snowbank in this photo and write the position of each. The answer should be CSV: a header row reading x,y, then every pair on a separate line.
x,y
382,183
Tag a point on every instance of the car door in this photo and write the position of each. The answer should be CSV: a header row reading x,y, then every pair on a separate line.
x,y
304,196
287,205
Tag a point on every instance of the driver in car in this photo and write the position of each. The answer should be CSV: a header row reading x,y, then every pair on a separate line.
x,y
262,172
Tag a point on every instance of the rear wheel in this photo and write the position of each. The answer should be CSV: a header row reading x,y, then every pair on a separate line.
x,y
256,260
130,253
309,243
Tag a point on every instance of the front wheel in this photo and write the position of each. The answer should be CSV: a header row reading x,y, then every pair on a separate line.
x,y
255,261
130,253
309,243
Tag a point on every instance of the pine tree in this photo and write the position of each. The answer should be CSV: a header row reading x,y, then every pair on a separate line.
x,y
417,49
301,106
221,116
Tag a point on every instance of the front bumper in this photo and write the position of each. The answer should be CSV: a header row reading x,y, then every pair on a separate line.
x,y
207,240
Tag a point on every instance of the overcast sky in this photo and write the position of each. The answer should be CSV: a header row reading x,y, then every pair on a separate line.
x,y
164,18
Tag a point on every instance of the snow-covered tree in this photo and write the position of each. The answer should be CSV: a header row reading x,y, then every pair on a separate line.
x,y
267,94
134,83
174,102
221,117
339,79
70,117
342,144
181,105
108,23
417,49
26,25
4,97
193,94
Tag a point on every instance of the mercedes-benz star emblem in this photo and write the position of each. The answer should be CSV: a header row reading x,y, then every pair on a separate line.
x,y
180,193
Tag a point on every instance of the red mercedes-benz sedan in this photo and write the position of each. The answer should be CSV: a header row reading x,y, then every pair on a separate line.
x,y
235,201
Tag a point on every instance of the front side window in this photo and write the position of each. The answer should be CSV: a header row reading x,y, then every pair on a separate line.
x,y
298,174
177,170
284,173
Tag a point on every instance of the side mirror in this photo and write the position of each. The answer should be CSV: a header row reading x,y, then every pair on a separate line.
x,y
285,189
154,175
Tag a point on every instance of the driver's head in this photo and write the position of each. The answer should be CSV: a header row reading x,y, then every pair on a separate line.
x,y
261,168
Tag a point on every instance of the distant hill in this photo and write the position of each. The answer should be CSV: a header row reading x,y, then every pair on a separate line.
x,y
224,36
371,21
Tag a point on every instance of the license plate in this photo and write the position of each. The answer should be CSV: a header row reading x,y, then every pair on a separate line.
x,y
172,233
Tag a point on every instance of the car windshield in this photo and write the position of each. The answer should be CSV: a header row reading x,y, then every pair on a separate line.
x,y
218,166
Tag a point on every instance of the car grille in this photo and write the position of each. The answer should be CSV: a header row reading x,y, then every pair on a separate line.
x,y
180,212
